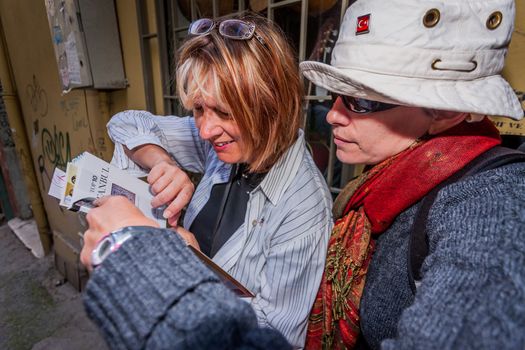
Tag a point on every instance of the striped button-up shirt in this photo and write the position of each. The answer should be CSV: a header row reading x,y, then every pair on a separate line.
x,y
279,251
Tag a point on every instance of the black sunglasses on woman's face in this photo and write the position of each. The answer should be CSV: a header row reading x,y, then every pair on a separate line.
x,y
362,105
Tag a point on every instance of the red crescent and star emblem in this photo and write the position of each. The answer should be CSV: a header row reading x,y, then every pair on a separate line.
x,y
363,24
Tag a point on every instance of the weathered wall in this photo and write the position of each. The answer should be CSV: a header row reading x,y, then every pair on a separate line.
x,y
134,96
514,72
58,126
13,180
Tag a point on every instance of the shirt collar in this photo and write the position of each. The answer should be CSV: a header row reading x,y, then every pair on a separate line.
x,y
283,172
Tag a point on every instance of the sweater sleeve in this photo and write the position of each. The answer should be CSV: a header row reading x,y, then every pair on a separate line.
x,y
472,295
155,293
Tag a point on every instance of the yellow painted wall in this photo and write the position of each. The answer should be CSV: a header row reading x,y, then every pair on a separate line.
x,y
514,72
155,58
134,96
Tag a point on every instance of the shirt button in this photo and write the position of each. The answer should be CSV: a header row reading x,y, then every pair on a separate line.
x,y
254,222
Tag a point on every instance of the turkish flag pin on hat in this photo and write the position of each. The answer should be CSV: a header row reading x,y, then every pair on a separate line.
x,y
363,24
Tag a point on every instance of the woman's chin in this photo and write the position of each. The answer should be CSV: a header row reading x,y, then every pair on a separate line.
x,y
230,158
349,157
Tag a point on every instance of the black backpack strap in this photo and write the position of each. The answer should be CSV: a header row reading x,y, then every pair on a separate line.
x,y
418,244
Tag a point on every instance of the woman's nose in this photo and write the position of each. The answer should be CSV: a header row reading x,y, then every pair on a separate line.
x,y
338,114
209,127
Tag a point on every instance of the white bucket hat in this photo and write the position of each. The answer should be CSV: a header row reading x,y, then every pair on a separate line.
x,y
441,54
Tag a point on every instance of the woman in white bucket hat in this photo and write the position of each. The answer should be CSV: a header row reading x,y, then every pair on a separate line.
x,y
413,82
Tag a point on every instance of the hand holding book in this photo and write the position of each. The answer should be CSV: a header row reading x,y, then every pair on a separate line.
x,y
109,214
115,212
170,185
172,188
115,199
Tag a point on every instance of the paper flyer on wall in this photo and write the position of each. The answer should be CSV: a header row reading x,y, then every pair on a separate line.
x,y
88,177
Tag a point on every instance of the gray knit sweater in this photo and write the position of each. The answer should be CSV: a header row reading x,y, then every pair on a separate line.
x,y
472,294
153,293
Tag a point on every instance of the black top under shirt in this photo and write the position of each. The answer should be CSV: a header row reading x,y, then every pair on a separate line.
x,y
232,199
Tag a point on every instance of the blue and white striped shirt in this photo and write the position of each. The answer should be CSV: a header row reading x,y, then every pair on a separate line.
x,y
279,251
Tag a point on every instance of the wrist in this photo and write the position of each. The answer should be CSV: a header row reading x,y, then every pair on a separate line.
x,y
112,242
165,159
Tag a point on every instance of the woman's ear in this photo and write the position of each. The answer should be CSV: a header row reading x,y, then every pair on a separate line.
x,y
443,120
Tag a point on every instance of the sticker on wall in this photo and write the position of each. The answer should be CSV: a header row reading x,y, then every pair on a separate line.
x,y
57,35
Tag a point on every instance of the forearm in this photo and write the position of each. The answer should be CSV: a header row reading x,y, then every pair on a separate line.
x,y
153,292
148,155
176,136
136,285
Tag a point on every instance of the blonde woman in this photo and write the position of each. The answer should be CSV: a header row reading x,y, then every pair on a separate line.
x,y
262,210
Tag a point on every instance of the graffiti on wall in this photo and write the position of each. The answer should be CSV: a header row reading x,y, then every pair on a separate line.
x,y
55,144
71,107
56,152
101,144
56,147
37,97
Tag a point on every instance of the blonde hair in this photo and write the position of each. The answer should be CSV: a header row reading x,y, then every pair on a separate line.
x,y
259,83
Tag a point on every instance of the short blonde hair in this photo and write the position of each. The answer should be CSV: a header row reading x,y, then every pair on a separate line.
x,y
260,84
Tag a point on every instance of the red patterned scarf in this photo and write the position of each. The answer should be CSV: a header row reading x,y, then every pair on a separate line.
x,y
367,207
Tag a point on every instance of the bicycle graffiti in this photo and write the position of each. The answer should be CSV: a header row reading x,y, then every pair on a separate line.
x,y
37,97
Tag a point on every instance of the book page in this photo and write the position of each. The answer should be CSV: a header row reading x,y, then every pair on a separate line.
x,y
67,196
96,178
58,184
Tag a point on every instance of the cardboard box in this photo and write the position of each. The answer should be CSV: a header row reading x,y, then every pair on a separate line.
x,y
67,261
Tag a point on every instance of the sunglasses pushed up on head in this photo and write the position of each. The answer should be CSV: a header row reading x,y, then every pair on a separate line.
x,y
235,29
362,105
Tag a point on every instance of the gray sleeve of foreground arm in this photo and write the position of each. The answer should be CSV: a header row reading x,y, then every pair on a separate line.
x,y
154,293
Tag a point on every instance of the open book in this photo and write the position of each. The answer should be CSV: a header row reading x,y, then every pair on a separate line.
x,y
88,177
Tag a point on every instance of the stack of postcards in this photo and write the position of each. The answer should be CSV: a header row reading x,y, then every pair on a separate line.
x,y
88,177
